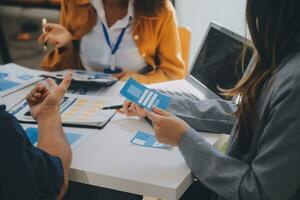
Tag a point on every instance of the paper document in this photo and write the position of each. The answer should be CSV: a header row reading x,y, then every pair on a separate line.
x,y
75,111
15,77
147,140
74,138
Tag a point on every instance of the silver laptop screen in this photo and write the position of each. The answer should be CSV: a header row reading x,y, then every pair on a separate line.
x,y
218,62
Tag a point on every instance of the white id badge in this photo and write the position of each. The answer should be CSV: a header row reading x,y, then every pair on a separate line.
x,y
113,62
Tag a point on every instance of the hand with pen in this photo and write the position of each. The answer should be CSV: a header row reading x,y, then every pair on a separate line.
x,y
168,128
130,109
55,34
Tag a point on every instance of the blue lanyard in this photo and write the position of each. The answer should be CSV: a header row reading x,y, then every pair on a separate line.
x,y
119,40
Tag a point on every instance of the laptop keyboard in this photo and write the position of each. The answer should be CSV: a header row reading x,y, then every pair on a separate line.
x,y
179,93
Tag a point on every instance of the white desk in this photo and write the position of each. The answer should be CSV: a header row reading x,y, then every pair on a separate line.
x,y
108,160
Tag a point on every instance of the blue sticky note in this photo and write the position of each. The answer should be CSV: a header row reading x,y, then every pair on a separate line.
x,y
143,96
147,140
72,137
32,134
3,75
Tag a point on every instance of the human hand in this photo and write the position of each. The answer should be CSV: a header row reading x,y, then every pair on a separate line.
x,y
168,128
41,99
130,109
122,76
55,34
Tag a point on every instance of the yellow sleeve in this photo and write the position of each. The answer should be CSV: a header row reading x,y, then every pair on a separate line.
x,y
171,65
56,59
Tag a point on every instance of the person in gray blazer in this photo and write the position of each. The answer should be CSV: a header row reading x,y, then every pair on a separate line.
x,y
262,160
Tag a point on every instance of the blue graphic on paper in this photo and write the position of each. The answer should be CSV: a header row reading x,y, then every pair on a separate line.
x,y
3,75
147,140
19,108
25,77
32,134
66,103
6,85
143,96
72,137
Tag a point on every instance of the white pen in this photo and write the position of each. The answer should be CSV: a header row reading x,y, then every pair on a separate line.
x,y
44,23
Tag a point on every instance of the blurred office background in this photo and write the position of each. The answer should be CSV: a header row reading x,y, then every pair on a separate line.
x,y
195,14
17,19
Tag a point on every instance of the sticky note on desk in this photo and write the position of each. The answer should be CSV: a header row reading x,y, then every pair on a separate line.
x,y
147,140
143,96
32,134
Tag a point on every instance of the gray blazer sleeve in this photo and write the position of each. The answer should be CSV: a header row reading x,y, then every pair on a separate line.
x,y
207,115
274,172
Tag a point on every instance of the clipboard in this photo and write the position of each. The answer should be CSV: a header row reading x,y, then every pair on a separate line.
x,y
76,111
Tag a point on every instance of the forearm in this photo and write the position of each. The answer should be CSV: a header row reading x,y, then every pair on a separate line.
x,y
226,176
52,139
205,115
51,134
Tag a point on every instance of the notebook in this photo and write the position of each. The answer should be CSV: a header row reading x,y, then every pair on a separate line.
x,y
76,111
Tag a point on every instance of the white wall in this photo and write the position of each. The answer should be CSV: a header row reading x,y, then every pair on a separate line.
x,y
196,14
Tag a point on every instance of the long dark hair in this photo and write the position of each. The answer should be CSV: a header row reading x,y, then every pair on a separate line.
x,y
148,7
274,27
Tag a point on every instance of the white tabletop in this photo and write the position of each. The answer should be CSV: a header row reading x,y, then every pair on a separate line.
x,y
108,159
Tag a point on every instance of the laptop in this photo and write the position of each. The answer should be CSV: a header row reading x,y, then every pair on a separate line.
x,y
218,62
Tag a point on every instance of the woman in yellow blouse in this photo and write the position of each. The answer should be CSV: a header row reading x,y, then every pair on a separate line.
x,y
136,38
